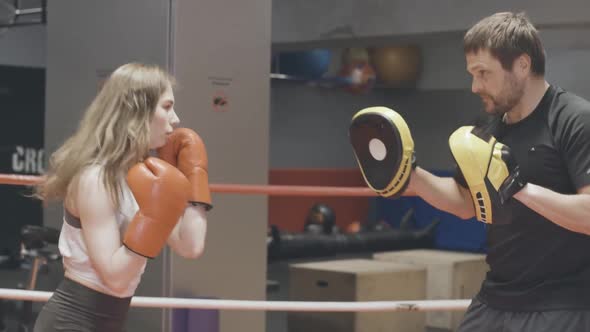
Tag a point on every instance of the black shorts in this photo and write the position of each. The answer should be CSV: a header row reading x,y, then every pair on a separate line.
x,y
74,307
481,318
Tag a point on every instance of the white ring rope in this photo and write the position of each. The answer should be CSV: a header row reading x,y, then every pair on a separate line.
x,y
161,302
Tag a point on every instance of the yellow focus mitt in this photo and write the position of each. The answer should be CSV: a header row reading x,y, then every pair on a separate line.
x,y
383,148
490,171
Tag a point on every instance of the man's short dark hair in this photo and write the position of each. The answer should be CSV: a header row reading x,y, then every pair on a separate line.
x,y
507,36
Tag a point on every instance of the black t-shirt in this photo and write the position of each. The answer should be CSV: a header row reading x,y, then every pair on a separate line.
x,y
534,263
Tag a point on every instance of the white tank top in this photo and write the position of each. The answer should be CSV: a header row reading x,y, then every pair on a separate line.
x,y
75,254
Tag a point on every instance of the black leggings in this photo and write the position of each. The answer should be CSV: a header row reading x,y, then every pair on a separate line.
x,y
481,318
77,308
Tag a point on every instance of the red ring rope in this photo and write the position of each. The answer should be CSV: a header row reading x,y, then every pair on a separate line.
x,y
271,190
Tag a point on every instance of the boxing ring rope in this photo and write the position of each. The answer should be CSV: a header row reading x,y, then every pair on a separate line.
x,y
20,180
271,190
300,306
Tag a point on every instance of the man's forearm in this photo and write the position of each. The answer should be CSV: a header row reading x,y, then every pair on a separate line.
x,y
569,211
441,192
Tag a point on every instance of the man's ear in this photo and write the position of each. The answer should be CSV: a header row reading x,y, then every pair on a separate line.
x,y
523,64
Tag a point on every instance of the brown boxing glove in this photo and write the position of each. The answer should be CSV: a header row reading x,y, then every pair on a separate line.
x,y
161,191
185,150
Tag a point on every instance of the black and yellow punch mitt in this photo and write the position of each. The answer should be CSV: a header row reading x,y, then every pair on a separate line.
x,y
384,149
489,169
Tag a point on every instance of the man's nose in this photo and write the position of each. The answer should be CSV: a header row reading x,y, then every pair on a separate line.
x,y
475,86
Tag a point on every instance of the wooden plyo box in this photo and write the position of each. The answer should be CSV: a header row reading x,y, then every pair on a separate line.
x,y
356,280
450,275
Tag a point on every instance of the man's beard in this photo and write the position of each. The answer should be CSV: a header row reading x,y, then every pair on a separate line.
x,y
507,98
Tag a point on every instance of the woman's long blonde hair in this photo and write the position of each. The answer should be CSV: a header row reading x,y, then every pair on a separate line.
x,y
114,132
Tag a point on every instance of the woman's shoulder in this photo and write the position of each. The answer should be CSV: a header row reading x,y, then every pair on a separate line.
x,y
87,183
92,192
91,174
89,180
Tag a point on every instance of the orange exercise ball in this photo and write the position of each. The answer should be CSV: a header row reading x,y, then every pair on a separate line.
x,y
397,66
